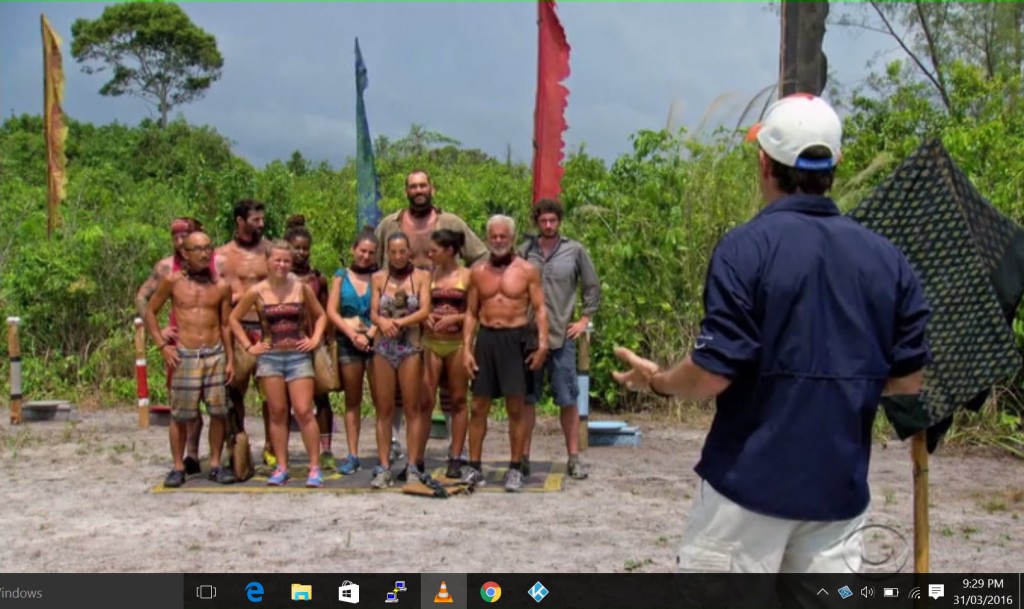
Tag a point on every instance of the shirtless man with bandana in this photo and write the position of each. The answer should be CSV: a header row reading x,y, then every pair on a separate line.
x,y
200,358
242,263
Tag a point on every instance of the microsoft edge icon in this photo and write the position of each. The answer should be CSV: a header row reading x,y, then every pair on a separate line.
x,y
254,592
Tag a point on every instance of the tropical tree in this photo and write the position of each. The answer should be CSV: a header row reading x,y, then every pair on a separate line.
x,y
936,35
154,51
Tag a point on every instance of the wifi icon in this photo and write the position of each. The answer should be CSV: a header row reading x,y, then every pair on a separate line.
x,y
915,594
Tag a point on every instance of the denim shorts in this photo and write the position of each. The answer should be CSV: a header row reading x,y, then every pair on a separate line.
x,y
560,367
289,364
349,353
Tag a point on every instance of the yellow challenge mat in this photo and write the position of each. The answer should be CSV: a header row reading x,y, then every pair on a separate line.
x,y
544,477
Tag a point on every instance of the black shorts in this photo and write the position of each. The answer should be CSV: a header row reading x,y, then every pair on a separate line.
x,y
501,358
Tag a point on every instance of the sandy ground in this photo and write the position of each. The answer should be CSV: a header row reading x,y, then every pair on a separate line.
x,y
76,498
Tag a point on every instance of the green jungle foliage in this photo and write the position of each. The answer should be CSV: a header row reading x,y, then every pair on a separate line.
x,y
650,219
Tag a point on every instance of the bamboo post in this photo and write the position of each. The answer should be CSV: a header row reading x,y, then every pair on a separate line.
x,y
583,380
919,456
14,354
141,382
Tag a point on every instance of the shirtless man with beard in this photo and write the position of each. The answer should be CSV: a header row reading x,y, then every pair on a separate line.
x,y
180,229
200,358
242,263
501,290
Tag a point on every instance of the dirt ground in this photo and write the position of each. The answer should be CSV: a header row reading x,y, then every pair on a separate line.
x,y
76,498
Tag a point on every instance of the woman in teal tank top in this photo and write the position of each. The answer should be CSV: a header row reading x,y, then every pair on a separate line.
x,y
348,308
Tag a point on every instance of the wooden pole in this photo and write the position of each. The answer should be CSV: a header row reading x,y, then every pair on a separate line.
x,y
919,456
583,379
14,354
141,382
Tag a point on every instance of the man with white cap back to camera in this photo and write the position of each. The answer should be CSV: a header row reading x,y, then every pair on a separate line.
x,y
809,319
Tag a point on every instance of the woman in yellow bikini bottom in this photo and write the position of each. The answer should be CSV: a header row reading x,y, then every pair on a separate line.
x,y
442,340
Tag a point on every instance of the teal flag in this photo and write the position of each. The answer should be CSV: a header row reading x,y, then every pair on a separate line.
x,y
367,188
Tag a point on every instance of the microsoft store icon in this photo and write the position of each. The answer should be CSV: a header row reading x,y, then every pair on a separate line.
x,y
348,592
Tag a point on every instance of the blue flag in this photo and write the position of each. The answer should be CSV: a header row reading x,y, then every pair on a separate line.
x,y
367,187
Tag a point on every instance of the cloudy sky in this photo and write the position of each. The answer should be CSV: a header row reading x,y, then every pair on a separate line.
x,y
465,69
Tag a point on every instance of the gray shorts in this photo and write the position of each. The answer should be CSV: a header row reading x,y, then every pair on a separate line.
x,y
560,368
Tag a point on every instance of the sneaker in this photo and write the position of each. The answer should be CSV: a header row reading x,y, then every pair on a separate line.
x,y
526,466
268,458
279,477
192,466
513,480
472,476
315,478
577,470
327,460
174,479
381,477
350,465
397,452
409,472
221,475
454,468
438,489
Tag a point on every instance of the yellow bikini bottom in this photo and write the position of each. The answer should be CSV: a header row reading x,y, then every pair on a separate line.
x,y
442,347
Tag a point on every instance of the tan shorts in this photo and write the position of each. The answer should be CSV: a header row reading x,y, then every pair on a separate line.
x,y
722,536
199,377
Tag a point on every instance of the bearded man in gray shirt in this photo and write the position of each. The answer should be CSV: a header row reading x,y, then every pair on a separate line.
x,y
565,267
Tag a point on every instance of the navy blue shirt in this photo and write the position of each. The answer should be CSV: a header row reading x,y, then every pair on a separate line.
x,y
808,314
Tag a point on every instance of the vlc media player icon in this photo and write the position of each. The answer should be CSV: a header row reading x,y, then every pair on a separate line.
x,y
490,592
443,595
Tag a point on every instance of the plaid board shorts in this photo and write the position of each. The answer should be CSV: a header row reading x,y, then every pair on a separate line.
x,y
200,376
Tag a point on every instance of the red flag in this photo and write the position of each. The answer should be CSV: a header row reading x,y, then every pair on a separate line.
x,y
552,98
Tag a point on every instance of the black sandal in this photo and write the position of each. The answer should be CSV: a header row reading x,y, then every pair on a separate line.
x,y
221,475
174,479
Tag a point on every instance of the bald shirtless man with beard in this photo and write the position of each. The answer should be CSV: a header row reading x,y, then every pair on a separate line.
x,y
200,358
242,263
180,229
501,290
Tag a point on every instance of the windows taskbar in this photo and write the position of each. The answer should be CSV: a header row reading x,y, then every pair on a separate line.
x,y
511,591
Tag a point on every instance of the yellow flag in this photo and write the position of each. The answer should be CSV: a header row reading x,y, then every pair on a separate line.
x,y
55,130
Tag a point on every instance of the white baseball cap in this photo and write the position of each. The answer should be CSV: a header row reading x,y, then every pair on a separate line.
x,y
795,123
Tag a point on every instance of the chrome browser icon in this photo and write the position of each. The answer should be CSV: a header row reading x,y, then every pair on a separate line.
x,y
490,592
